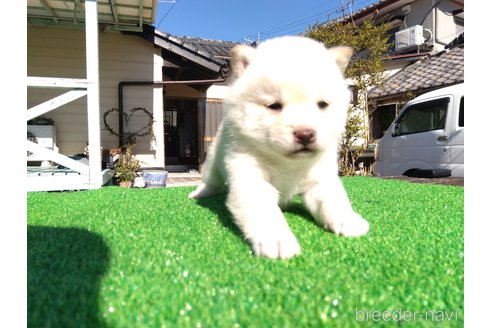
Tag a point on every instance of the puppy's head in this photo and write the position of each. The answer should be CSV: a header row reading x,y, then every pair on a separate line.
x,y
289,96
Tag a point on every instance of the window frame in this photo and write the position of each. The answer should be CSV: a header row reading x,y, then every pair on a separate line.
x,y
461,113
421,105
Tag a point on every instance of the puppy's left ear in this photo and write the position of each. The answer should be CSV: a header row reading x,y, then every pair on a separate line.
x,y
241,57
342,55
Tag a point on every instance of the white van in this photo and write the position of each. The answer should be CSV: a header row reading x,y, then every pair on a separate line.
x,y
426,138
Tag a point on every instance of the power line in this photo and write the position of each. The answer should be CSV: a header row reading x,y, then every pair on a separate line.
x,y
293,26
294,23
174,2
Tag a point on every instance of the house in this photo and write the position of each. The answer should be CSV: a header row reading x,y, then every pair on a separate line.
x,y
194,73
428,39
112,60
439,70
416,26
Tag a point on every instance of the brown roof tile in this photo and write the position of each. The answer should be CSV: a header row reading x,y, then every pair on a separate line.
x,y
444,68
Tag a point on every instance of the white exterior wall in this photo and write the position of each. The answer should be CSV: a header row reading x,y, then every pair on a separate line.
x,y
446,28
53,52
59,54
217,92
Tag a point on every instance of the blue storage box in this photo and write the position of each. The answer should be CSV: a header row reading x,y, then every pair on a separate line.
x,y
154,178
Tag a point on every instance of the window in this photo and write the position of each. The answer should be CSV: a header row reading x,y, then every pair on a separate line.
x,y
461,118
423,117
381,119
353,94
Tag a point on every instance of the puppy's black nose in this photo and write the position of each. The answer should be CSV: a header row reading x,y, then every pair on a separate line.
x,y
305,136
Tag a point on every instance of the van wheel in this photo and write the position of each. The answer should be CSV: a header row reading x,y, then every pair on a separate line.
x,y
411,173
431,173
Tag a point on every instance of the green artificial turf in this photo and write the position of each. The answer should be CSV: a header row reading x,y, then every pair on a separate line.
x,y
118,257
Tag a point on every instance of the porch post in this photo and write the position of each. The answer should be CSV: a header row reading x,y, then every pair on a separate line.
x,y
93,110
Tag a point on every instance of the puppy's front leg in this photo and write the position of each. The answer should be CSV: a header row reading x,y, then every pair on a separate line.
x,y
253,203
329,205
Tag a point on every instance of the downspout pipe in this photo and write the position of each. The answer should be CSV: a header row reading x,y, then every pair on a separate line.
x,y
123,84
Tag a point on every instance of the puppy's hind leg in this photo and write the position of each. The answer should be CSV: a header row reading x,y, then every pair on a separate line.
x,y
212,180
212,183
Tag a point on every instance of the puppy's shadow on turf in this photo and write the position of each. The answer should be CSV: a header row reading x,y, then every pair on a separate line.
x,y
299,210
216,204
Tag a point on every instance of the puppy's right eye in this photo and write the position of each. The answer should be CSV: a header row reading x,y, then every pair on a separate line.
x,y
275,106
322,104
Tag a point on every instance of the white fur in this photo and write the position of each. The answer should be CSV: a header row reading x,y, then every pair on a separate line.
x,y
254,155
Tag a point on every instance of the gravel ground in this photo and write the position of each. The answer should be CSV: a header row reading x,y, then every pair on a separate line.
x,y
451,181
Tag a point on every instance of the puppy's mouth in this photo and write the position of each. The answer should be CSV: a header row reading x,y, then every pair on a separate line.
x,y
302,152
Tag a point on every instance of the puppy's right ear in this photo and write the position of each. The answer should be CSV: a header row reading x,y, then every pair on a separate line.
x,y
241,57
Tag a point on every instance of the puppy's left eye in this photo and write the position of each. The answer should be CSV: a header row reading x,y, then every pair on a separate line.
x,y
275,106
322,104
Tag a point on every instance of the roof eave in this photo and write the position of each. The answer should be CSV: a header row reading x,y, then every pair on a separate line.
x,y
113,15
375,10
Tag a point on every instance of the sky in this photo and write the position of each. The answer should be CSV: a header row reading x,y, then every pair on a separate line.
x,y
247,20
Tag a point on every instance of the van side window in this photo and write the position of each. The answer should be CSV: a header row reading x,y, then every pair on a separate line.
x,y
423,117
461,118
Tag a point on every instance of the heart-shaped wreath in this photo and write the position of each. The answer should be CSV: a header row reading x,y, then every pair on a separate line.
x,y
143,131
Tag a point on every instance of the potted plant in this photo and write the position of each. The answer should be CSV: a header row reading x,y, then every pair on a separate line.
x,y
127,166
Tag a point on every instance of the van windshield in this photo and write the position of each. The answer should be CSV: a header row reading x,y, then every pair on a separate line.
x,y
423,117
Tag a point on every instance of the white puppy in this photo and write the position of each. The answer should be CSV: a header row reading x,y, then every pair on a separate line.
x,y
284,114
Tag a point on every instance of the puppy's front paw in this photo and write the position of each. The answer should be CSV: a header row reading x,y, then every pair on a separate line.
x,y
283,246
351,226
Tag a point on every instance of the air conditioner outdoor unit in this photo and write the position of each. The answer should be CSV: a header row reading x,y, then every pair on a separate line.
x,y
412,36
